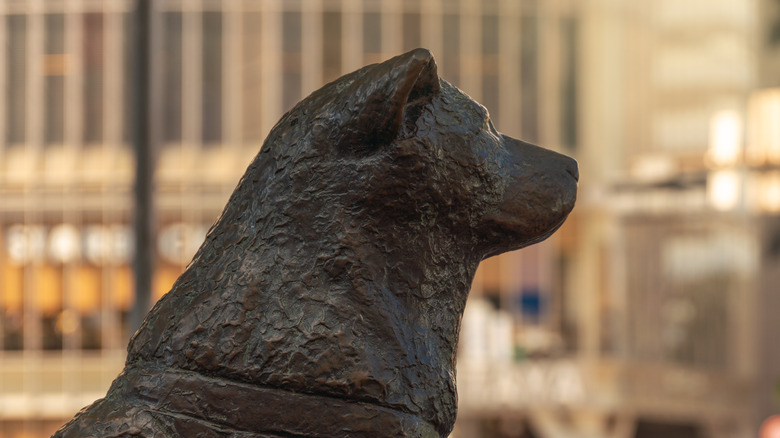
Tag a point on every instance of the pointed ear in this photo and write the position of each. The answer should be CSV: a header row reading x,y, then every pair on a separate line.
x,y
376,102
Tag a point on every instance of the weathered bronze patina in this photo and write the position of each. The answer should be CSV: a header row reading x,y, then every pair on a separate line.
x,y
326,300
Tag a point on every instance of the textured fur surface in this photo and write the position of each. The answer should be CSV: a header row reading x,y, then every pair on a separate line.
x,y
338,272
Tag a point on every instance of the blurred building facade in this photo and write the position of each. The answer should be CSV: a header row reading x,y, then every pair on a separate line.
x,y
646,315
675,129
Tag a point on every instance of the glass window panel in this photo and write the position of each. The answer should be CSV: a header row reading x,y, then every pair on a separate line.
x,y
291,68
489,34
252,66
569,83
91,332
16,70
688,319
451,64
490,64
172,73
12,306
291,24
331,45
372,36
164,277
490,6
93,78
124,295
490,90
412,30
54,68
212,78
529,78
84,299
48,294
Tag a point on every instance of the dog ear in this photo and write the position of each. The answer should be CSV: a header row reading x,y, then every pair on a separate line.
x,y
376,102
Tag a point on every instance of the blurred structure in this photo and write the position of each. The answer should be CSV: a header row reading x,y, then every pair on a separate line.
x,y
650,314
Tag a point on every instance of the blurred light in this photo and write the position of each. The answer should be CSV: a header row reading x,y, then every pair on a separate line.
x,y
68,322
693,257
108,245
171,242
724,189
84,289
768,192
178,242
763,129
771,427
64,243
725,138
25,243
55,64
48,290
654,168
124,289
11,289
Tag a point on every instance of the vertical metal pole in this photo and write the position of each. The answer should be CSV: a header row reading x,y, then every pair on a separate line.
x,y
144,217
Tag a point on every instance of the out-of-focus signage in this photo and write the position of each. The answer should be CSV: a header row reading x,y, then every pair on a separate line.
x,y
67,243
98,244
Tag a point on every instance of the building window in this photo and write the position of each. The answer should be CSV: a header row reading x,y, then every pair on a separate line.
x,y
331,45
689,270
411,30
529,78
55,67
48,299
372,37
291,59
11,305
490,91
212,78
253,86
451,64
569,83
172,80
93,78
16,70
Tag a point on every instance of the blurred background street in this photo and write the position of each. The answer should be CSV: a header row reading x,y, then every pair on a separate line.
x,y
654,312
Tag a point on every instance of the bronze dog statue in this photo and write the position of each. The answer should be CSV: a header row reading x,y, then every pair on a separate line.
x,y
326,300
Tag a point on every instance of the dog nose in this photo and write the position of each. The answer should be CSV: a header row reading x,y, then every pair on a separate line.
x,y
573,169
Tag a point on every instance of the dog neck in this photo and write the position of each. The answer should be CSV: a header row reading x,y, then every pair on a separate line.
x,y
309,299
237,408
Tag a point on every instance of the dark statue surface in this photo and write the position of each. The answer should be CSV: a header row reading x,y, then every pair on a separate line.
x,y
326,300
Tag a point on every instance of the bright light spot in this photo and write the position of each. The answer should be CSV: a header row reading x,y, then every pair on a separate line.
x,y
763,131
64,243
724,189
725,138
178,242
68,322
111,245
25,243
769,193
